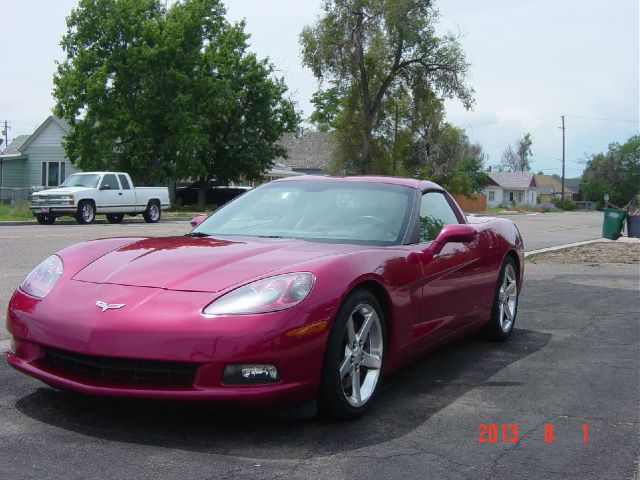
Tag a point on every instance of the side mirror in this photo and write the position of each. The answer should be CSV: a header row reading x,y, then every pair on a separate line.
x,y
105,187
452,234
197,220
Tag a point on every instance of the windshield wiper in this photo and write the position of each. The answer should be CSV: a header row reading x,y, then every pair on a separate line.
x,y
197,234
272,236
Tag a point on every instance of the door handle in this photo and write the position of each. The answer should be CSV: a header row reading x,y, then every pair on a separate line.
x,y
119,193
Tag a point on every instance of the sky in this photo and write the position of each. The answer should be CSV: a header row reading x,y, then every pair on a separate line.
x,y
531,63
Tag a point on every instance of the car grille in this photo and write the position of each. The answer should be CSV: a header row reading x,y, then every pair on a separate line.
x,y
148,372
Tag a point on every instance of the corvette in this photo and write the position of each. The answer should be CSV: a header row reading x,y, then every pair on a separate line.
x,y
308,288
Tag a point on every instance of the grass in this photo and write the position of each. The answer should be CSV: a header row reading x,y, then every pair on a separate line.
x,y
19,211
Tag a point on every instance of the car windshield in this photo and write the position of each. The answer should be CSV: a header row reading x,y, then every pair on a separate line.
x,y
321,210
82,180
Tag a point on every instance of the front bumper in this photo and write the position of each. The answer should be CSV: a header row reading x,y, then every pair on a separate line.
x,y
172,331
53,210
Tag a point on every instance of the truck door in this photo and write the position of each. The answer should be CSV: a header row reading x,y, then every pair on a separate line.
x,y
127,195
109,194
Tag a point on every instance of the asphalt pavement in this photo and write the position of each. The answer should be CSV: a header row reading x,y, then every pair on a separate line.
x,y
541,230
572,361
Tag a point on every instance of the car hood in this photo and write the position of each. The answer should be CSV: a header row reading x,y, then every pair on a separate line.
x,y
61,191
199,264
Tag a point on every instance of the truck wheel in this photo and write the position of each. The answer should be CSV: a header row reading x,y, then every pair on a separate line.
x,y
152,213
86,213
46,219
115,217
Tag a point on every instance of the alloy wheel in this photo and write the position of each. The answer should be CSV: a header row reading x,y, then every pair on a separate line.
x,y
359,369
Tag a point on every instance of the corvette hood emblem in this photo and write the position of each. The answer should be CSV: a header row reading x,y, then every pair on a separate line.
x,y
108,306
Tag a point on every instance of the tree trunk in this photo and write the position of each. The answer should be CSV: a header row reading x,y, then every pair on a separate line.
x,y
366,162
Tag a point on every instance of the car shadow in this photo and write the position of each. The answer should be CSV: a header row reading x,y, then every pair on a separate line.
x,y
407,399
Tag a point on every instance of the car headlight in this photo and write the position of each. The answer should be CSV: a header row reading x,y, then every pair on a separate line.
x,y
43,278
266,295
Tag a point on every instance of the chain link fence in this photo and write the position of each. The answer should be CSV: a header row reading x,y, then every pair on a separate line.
x,y
15,196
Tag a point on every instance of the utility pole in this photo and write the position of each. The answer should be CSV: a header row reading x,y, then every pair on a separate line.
x,y
5,133
563,129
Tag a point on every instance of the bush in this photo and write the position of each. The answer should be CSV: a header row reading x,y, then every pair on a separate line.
x,y
569,205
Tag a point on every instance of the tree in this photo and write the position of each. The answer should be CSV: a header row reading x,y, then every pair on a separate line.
x,y
168,94
368,47
616,173
516,158
326,108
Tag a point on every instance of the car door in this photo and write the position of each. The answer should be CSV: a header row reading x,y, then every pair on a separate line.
x,y
127,195
449,295
108,196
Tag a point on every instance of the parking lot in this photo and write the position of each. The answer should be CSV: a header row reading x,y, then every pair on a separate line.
x,y
567,380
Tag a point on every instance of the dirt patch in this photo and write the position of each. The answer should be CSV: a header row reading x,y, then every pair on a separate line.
x,y
593,253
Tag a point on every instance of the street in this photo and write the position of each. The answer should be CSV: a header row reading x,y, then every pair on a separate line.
x,y
565,384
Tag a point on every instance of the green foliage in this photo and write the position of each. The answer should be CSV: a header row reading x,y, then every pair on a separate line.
x,y
616,173
568,204
517,158
429,228
384,59
327,107
170,94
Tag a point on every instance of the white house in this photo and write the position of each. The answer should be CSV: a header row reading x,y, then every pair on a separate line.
x,y
508,188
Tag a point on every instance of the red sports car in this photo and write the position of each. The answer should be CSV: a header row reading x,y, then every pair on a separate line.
x,y
302,289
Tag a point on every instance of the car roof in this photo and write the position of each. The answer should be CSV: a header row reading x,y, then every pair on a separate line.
x,y
407,182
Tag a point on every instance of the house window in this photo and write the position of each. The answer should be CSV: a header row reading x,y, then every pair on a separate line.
x,y
52,174
511,197
492,196
519,197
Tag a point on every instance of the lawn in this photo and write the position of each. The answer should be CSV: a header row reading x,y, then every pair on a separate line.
x,y
19,211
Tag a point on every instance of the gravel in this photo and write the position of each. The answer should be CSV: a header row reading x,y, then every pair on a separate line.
x,y
592,254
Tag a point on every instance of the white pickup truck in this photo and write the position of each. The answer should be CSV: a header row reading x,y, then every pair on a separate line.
x,y
83,195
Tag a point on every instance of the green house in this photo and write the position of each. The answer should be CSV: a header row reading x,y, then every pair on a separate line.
x,y
36,161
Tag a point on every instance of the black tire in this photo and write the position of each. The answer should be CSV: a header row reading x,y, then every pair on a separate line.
x,y
333,400
115,217
46,219
152,213
500,326
86,212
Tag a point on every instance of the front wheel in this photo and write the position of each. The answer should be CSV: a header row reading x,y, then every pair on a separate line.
x,y
86,213
354,358
152,213
505,303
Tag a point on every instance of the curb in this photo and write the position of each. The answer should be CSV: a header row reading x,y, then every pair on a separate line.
x,y
577,244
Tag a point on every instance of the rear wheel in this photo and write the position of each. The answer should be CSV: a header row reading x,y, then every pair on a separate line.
x,y
152,213
115,217
505,303
354,358
46,219
86,212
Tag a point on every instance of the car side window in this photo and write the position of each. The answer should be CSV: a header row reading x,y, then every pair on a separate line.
x,y
110,180
435,213
124,182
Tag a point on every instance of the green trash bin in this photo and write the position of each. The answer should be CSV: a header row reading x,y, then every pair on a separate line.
x,y
612,225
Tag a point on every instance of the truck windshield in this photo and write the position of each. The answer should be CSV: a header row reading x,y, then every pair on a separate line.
x,y
82,180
